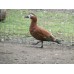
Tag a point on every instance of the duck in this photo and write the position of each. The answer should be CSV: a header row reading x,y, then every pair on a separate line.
x,y
39,33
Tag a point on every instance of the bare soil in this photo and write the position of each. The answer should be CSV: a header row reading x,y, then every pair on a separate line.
x,y
21,51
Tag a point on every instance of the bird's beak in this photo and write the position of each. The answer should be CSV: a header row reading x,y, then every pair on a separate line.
x,y
26,17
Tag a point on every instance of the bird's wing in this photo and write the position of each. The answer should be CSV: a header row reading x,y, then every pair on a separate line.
x,y
44,34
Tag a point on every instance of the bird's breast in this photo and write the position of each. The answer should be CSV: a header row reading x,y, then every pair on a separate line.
x,y
32,30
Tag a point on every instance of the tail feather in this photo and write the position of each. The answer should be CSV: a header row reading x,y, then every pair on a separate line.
x,y
52,38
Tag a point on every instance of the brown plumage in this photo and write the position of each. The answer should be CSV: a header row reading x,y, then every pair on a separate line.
x,y
2,14
39,33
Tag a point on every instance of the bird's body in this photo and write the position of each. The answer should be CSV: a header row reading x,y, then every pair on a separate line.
x,y
39,33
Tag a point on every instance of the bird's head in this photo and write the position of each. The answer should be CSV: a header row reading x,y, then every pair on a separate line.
x,y
32,17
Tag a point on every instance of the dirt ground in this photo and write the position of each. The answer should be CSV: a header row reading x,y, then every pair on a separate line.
x,y
21,51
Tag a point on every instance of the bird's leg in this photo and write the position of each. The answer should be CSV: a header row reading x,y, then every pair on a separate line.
x,y
41,44
36,43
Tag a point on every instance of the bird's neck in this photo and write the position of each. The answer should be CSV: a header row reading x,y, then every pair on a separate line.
x,y
33,23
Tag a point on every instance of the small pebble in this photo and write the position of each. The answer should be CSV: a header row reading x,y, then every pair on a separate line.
x,y
2,40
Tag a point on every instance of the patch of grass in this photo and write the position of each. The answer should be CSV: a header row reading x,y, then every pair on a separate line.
x,y
60,23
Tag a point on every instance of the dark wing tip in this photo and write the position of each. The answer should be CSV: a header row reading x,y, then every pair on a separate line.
x,y
58,41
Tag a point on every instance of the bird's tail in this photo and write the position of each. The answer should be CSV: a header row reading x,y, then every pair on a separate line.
x,y
58,41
